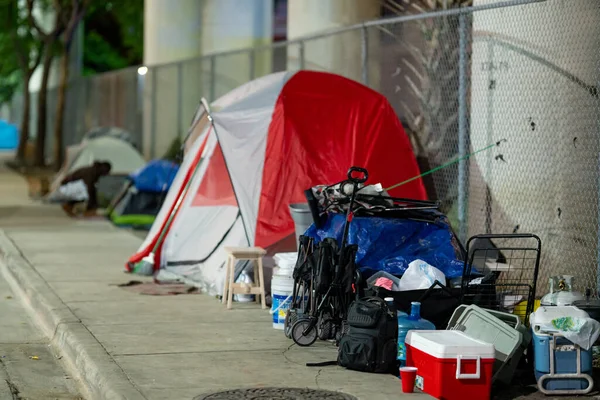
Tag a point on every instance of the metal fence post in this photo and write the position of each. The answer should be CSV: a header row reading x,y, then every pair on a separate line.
x,y
364,56
179,99
252,57
153,113
598,212
463,135
213,78
301,55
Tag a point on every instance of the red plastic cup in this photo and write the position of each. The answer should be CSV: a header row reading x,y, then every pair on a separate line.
x,y
408,376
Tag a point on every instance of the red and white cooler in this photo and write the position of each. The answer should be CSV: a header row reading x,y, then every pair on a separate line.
x,y
451,365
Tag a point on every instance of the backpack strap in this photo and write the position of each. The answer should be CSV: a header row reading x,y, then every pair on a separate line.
x,y
322,364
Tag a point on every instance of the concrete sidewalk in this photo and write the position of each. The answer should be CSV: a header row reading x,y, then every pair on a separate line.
x,y
129,346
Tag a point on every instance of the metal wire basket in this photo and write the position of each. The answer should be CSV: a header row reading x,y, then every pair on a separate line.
x,y
500,273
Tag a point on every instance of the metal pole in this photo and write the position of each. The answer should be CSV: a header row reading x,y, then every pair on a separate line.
x,y
179,99
301,55
490,137
364,55
594,292
252,57
213,78
463,135
153,115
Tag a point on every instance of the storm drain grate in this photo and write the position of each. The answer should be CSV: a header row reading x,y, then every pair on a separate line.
x,y
276,394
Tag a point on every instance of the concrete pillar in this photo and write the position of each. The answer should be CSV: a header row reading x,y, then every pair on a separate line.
x,y
232,25
184,33
534,79
339,53
172,33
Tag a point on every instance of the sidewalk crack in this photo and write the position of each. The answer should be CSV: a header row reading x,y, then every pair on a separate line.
x,y
317,378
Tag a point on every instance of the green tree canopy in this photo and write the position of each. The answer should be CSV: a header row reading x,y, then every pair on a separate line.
x,y
114,35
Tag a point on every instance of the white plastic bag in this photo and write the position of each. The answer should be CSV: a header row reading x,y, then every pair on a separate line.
x,y
74,191
420,275
581,331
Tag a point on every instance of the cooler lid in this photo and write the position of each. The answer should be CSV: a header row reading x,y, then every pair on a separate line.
x,y
449,344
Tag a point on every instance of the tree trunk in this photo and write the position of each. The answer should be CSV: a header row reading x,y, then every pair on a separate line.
x,y
24,133
60,111
40,145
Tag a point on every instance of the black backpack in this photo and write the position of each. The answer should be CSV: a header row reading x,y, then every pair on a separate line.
x,y
371,342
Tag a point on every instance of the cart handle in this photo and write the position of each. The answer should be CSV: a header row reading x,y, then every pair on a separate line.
x,y
477,373
358,175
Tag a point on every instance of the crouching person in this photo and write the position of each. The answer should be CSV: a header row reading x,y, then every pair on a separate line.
x,y
80,181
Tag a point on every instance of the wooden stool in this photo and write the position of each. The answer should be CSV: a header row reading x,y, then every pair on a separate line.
x,y
230,288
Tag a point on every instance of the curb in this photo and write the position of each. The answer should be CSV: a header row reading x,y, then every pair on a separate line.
x,y
86,359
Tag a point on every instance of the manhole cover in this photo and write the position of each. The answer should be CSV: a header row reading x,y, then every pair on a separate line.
x,y
275,394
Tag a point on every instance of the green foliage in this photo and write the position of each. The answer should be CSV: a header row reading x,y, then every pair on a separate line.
x,y
174,151
9,67
130,15
10,72
100,56
9,84
114,35
20,46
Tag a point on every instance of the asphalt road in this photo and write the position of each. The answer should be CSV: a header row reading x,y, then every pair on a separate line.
x,y
28,368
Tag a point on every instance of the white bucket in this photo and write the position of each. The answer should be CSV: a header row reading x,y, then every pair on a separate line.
x,y
282,288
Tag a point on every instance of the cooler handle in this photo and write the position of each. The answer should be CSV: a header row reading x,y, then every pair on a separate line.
x,y
477,373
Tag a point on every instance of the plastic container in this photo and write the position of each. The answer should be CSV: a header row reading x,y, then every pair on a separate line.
x,y
286,260
409,377
562,298
505,331
302,218
391,305
282,288
244,298
451,365
565,360
9,136
408,322
561,292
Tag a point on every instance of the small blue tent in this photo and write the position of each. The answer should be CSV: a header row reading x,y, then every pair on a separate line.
x,y
140,200
156,176
9,136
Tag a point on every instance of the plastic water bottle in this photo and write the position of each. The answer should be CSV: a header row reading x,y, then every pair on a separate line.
x,y
410,322
391,305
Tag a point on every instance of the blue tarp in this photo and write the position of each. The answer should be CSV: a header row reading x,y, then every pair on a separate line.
x,y
156,176
390,244
9,136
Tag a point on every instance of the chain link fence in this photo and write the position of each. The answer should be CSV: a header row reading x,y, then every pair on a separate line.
x,y
523,74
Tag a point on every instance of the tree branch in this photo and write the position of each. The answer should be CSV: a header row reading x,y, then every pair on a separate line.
x,y
38,58
78,9
32,21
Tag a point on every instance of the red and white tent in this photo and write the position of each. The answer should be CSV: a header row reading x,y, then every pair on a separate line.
x,y
262,145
